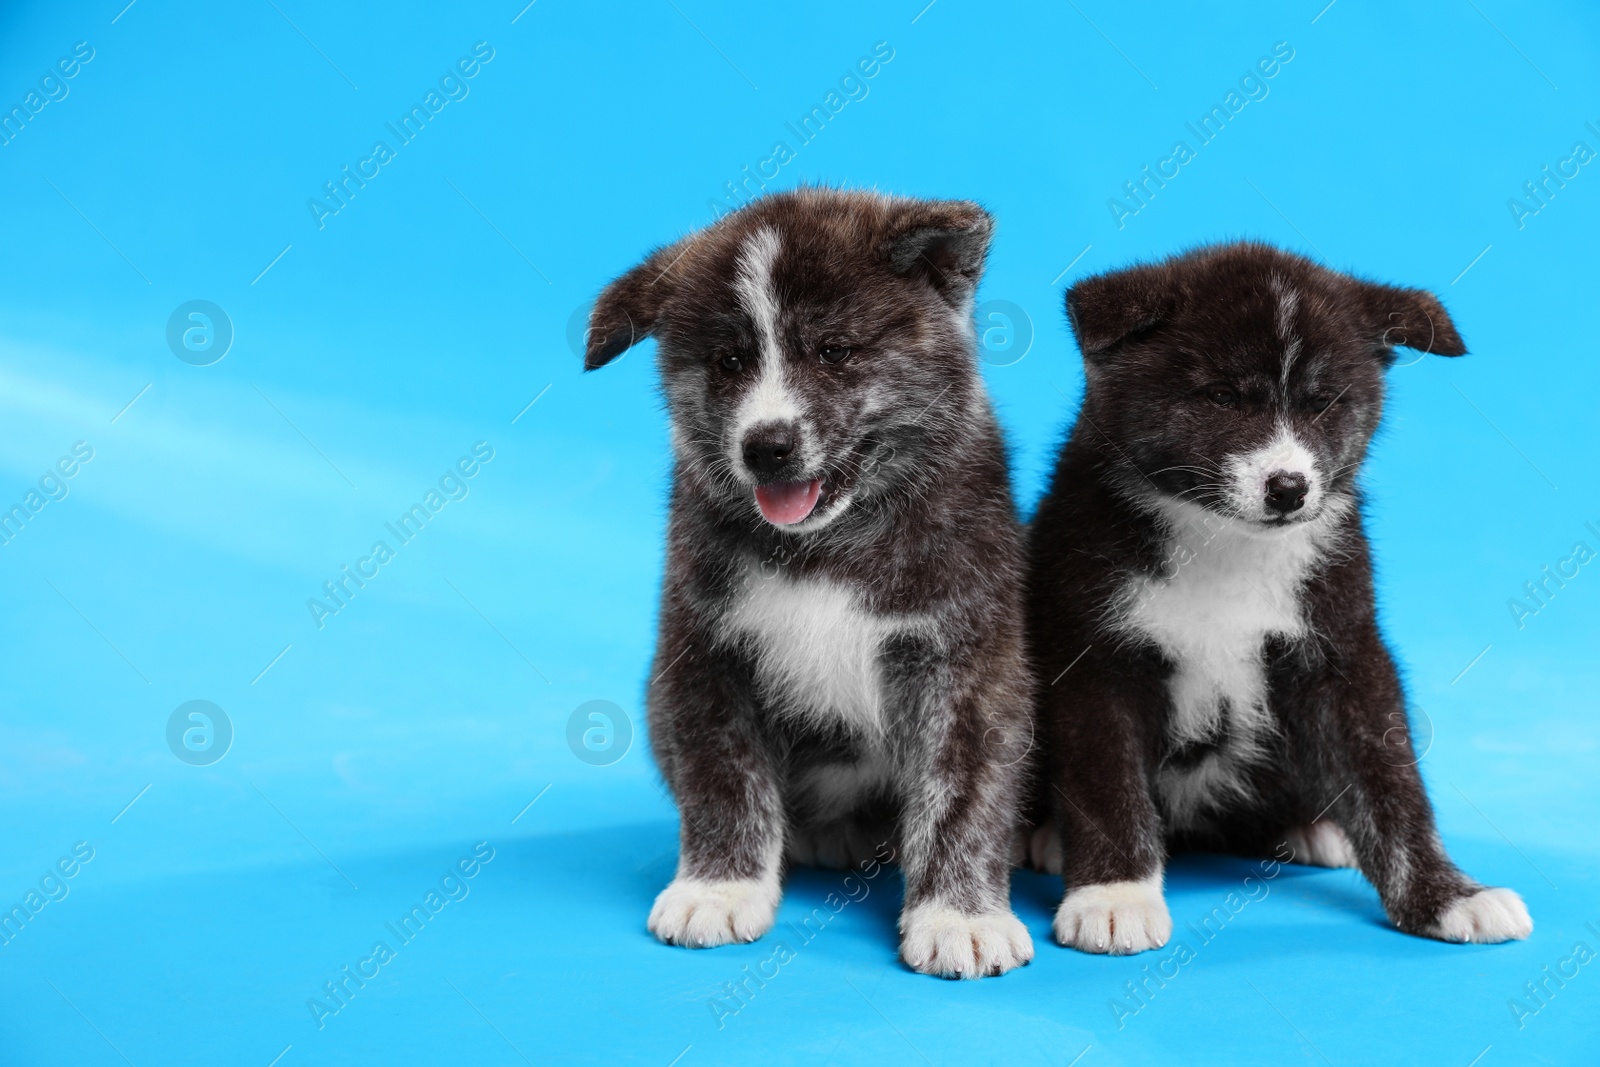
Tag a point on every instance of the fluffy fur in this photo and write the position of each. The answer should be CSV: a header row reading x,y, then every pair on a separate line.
x,y
1211,669
848,669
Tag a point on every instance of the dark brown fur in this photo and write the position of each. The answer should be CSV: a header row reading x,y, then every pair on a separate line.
x,y
920,526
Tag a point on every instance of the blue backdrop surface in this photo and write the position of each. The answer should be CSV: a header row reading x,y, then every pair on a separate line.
x,y
393,214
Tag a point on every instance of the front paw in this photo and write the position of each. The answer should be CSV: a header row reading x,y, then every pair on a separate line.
x,y
1116,917
941,941
700,913
1486,917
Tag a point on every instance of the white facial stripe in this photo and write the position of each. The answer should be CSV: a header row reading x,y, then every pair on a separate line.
x,y
1288,302
1248,474
1290,352
769,399
754,285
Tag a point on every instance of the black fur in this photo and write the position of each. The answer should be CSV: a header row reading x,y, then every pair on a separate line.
x,y
1185,363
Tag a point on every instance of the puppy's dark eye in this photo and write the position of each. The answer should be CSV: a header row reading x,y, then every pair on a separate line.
x,y
834,354
731,362
1222,395
1321,402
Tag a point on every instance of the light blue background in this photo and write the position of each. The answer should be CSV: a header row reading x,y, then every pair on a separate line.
x,y
431,310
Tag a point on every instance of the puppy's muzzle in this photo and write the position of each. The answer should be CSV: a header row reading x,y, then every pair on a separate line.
x,y
771,454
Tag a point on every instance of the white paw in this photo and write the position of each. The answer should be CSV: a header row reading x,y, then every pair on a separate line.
x,y
703,914
1044,848
1116,917
939,940
1321,844
1487,917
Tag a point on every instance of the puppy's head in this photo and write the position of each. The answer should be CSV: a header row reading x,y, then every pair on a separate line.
x,y
1243,379
814,346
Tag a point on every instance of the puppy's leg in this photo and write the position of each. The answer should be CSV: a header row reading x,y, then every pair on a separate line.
x,y
731,814
1109,831
958,822
957,920
1377,798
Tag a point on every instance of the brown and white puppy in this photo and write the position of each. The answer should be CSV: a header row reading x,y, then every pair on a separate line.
x,y
1212,674
841,652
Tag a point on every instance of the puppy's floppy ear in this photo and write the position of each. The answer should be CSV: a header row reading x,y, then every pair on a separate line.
x,y
627,310
1109,308
1411,318
943,242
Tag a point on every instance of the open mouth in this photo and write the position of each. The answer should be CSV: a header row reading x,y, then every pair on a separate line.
x,y
790,503
786,503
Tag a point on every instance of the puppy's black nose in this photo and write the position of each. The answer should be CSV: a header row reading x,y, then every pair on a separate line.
x,y
768,448
1286,493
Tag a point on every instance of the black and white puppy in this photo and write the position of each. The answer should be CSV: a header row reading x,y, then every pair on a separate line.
x,y
840,658
1212,674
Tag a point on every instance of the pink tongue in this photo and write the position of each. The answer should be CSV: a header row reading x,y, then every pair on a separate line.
x,y
786,503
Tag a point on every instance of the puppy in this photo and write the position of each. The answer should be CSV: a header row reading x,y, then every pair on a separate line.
x,y
840,657
1211,670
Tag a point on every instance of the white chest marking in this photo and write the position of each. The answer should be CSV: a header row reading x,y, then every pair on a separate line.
x,y
1222,591
816,649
